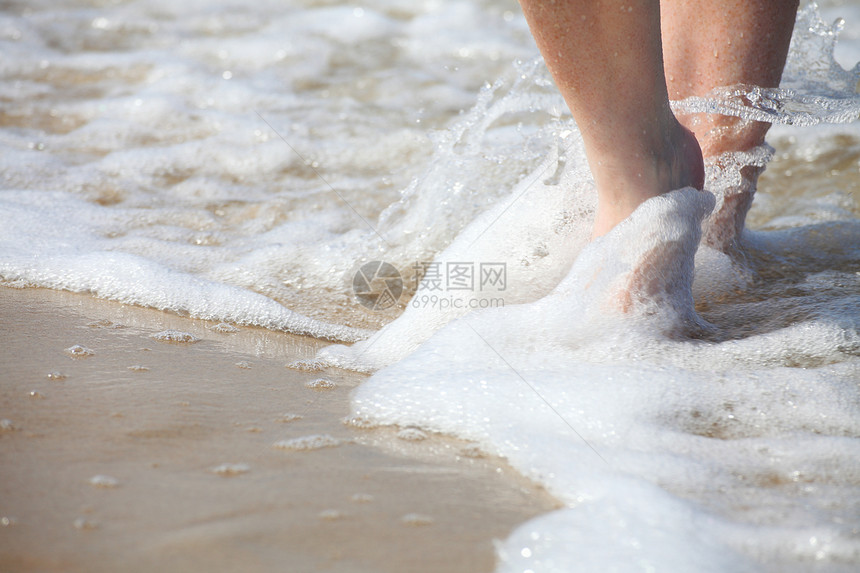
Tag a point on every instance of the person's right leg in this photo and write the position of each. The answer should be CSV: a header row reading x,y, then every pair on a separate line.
x,y
714,43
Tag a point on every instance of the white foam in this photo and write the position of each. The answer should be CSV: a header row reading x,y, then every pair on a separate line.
x,y
307,443
600,412
534,257
76,257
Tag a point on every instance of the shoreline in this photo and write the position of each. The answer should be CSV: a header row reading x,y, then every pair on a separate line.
x,y
150,454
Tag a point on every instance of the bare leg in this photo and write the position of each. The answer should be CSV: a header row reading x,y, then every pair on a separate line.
x,y
606,58
708,44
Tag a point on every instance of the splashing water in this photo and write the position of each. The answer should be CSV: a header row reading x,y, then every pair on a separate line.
x,y
538,255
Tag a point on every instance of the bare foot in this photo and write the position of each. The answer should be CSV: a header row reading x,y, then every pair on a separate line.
x,y
674,163
657,244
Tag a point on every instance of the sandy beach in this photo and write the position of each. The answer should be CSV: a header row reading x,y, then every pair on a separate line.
x,y
131,453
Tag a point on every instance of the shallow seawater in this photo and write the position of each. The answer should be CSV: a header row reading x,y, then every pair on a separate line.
x,y
243,164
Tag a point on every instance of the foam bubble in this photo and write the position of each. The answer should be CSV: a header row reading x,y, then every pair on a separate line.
x,y
320,384
78,351
361,498
306,443
231,469
104,481
174,336
332,515
417,520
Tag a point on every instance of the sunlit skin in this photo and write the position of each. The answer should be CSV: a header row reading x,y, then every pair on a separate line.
x,y
708,44
607,58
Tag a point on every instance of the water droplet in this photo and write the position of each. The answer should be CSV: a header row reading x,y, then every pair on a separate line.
x,y
526,552
411,435
7,521
331,515
78,351
104,481
320,384
7,426
306,443
416,519
174,336
37,395
230,470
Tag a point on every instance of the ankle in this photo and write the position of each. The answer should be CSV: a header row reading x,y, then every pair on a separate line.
x,y
627,179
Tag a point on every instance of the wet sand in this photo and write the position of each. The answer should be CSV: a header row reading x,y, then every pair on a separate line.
x,y
154,423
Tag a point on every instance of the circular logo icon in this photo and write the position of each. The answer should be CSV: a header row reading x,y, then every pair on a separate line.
x,y
377,285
